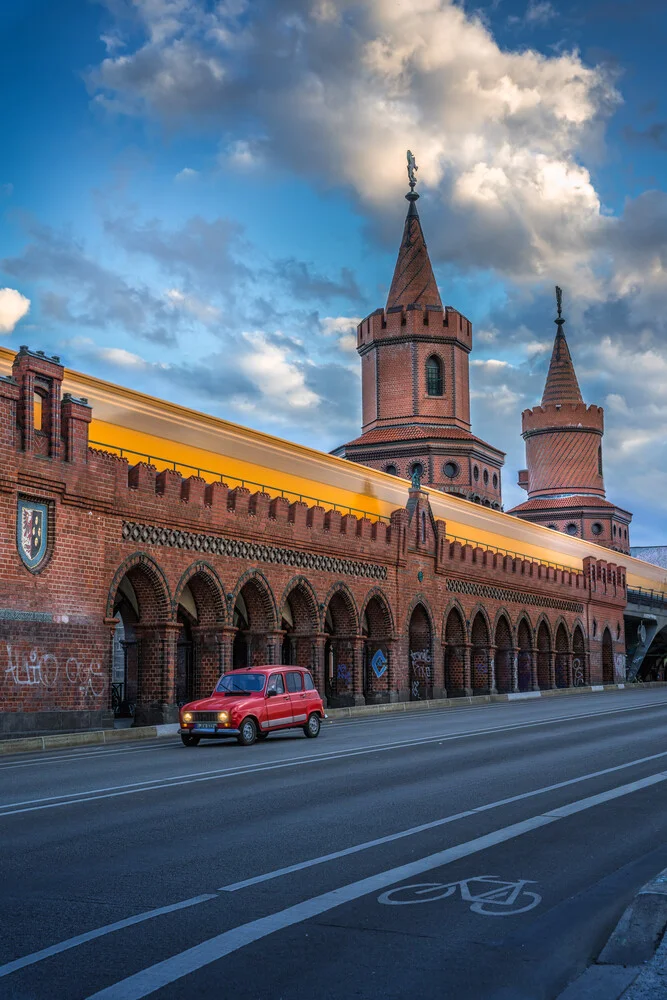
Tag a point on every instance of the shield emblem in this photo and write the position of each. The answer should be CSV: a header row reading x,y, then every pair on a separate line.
x,y
379,663
32,532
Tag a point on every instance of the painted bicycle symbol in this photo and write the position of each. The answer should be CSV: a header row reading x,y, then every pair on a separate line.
x,y
487,894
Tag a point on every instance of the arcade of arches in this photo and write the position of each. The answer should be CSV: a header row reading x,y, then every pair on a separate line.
x,y
171,650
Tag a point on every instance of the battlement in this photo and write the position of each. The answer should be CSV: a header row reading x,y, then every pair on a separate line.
x,y
414,321
556,416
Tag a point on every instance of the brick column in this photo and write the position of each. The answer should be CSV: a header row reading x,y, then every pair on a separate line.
x,y
534,682
317,662
227,634
552,669
467,682
156,695
491,669
208,646
358,643
274,641
568,669
514,675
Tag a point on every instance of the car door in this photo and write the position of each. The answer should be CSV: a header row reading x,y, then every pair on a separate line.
x,y
278,705
298,696
312,700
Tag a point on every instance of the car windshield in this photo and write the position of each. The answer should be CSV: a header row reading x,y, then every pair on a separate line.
x,y
241,683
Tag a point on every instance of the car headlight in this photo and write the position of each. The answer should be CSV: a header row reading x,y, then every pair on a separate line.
x,y
223,716
187,716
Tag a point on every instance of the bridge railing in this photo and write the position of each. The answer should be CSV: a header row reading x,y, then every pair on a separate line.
x,y
223,477
647,598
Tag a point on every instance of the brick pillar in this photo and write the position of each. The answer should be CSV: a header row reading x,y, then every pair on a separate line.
x,y
75,418
552,668
208,648
274,641
358,642
534,683
514,676
467,680
568,669
317,662
227,635
156,695
491,657
438,669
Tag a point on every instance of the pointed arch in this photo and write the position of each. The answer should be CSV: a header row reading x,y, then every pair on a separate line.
x,y
480,638
149,583
207,590
258,598
377,609
341,607
563,658
579,670
479,609
454,639
302,598
504,656
607,657
421,651
524,641
544,650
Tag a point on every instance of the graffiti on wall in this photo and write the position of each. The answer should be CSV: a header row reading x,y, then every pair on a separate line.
x,y
379,664
38,669
619,666
344,674
421,674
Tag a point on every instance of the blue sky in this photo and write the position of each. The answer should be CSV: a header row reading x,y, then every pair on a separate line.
x,y
200,199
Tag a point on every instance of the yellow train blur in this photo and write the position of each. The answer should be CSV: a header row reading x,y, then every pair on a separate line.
x,y
142,427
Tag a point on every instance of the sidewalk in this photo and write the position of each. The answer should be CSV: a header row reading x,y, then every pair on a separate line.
x,y
633,963
60,741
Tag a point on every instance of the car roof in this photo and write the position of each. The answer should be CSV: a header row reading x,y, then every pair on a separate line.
x,y
266,668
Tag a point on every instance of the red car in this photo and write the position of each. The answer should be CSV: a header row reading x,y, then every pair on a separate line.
x,y
251,703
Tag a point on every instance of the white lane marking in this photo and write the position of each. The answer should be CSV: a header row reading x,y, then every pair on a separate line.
x,y
155,977
135,787
138,918
434,824
83,754
73,942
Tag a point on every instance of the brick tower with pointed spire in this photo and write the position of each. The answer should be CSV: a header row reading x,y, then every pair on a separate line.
x,y
415,383
564,478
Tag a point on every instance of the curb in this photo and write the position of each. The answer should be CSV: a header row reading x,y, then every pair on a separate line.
x,y
633,943
102,737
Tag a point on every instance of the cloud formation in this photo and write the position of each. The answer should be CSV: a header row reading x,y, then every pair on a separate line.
x,y
13,307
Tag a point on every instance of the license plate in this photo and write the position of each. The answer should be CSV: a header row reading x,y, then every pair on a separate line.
x,y
204,729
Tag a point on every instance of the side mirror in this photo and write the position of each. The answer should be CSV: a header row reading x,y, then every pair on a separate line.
x,y
271,693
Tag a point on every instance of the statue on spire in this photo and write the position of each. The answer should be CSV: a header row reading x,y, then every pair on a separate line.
x,y
412,170
559,307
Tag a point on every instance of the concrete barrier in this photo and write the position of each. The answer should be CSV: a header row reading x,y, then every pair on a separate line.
x,y
60,741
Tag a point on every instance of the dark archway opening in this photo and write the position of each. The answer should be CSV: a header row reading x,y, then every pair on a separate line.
x,y
421,655
525,656
562,657
339,654
455,638
504,656
479,654
376,628
607,658
543,657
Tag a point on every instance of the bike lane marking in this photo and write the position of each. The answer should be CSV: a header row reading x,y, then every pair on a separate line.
x,y
153,784
162,974
73,942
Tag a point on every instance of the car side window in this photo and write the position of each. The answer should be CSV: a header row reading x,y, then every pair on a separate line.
x,y
294,681
308,682
276,684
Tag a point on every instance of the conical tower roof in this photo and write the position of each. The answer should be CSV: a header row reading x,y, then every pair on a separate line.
x,y
413,283
561,385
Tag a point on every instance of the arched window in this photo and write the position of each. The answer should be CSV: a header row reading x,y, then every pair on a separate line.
x,y
38,411
434,376
391,470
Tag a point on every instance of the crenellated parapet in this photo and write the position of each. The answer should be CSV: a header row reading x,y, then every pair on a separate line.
x,y
447,324
557,416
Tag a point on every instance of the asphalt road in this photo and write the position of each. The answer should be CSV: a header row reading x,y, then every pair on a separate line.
x,y
470,853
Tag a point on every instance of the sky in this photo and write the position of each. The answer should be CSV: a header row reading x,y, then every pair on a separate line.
x,y
200,200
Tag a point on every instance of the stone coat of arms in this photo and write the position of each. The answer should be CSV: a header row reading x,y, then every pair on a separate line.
x,y
32,528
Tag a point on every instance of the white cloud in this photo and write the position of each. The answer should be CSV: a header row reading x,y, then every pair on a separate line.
x,y
280,381
186,174
13,307
203,311
344,328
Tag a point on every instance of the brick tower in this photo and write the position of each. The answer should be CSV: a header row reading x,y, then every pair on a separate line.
x,y
564,478
415,391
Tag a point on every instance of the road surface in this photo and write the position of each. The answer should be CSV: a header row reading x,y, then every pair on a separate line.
x,y
482,852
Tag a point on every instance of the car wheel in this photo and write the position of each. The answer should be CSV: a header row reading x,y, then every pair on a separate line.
x,y
189,740
247,732
312,727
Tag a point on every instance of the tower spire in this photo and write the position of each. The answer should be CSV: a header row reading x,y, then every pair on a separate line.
x,y
413,283
561,385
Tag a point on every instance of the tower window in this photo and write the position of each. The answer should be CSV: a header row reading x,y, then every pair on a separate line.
x,y
486,477
571,528
392,470
434,376
475,473
418,468
38,411
495,481
596,528
451,470
600,460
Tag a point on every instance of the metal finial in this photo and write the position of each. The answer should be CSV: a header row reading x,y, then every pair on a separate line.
x,y
412,170
559,305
